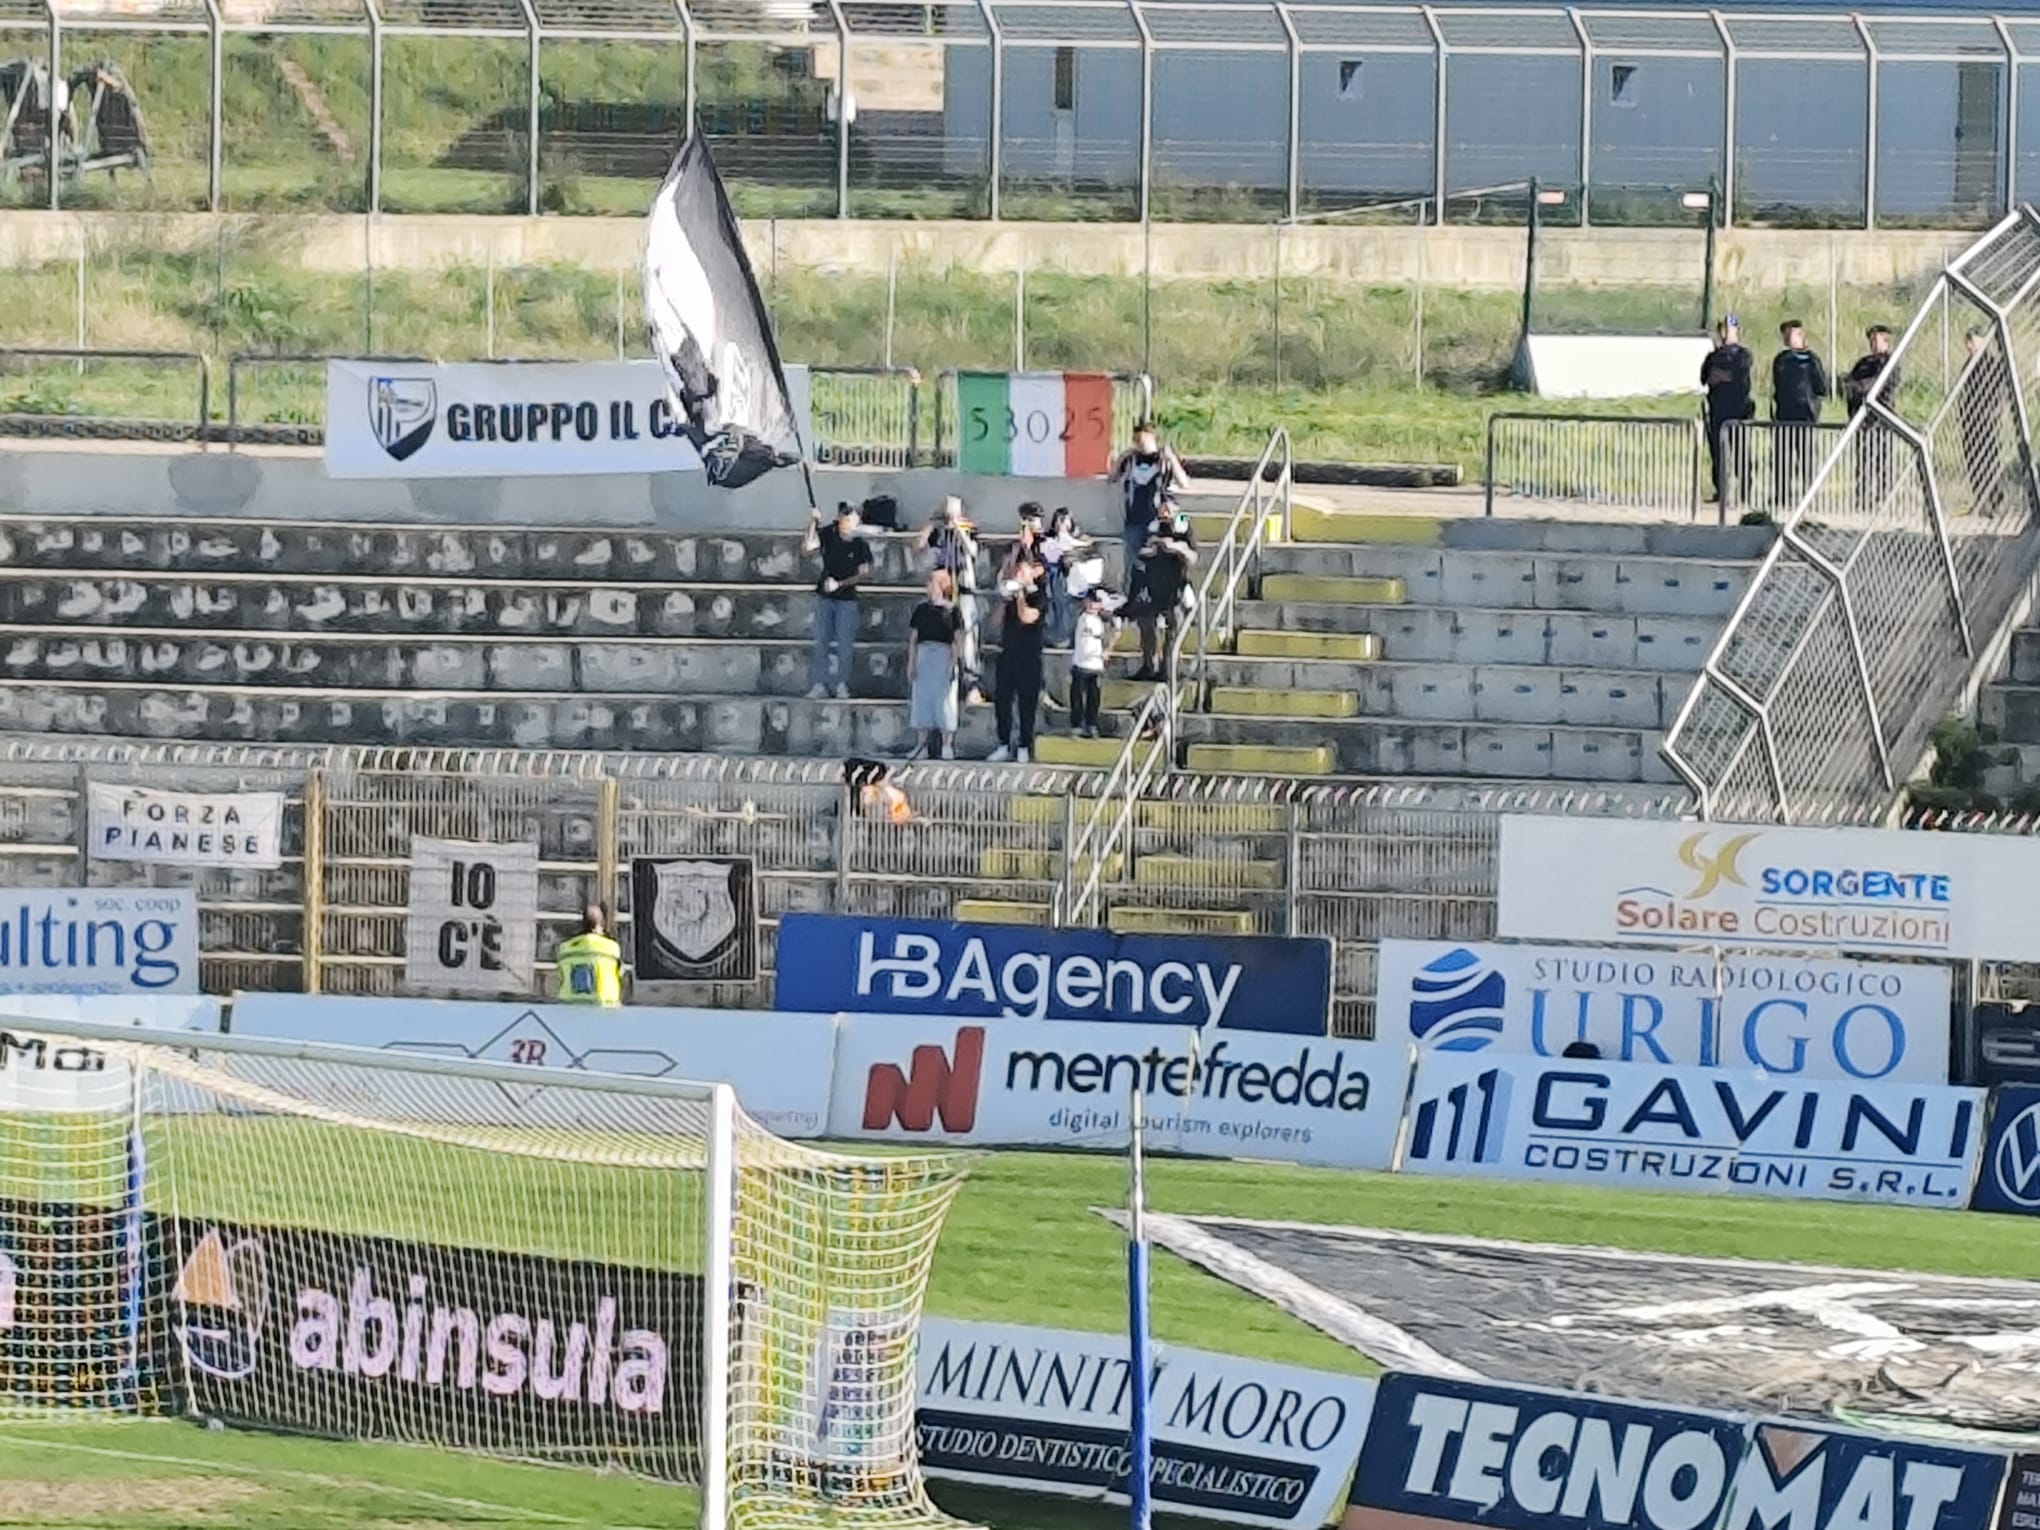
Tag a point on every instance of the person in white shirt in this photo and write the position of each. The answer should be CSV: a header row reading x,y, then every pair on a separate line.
x,y
1095,627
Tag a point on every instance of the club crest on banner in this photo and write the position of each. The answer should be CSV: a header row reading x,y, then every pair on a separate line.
x,y
402,411
694,919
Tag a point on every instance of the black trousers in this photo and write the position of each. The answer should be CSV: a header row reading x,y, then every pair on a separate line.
x,y
1085,685
1016,694
1717,455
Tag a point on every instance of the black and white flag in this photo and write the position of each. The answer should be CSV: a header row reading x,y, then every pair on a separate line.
x,y
694,919
709,327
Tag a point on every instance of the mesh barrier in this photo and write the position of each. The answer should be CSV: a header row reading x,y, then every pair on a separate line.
x,y
1897,573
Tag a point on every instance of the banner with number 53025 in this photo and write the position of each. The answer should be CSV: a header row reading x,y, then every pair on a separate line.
x,y
473,920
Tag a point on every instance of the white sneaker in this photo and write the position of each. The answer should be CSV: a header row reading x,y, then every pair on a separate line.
x,y
1000,755
1021,757
949,751
842,693
817,692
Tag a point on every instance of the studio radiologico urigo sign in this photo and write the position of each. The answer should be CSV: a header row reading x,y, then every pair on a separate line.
x,y
1956,896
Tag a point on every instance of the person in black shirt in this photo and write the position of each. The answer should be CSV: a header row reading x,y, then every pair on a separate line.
x,y
1725,374
1146,473
934,632
1166,559
1799,386
845,557
1016,681
1874,453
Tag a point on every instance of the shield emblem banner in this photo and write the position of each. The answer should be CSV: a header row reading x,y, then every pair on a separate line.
x,y
694,919
402,411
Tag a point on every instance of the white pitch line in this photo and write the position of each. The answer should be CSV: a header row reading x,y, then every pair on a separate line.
x,y
319,1479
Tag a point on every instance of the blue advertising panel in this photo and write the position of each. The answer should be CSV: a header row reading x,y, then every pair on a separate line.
x,y
1796,1477
2009,1178
1702,1129
844,962
1442,1452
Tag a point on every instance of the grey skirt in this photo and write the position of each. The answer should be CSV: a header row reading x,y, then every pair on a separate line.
x,y
932,708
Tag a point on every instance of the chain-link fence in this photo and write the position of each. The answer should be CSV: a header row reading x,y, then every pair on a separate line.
x,y
1353,863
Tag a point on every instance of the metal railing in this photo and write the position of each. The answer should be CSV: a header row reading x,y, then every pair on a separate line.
x,y
1894,585
1133,400
862,416
1652,467
1352,862
1102,830
1767,467
28,408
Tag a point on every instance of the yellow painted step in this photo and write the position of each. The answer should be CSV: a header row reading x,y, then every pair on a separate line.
x,y
995,911
1363,647
1310,523
1249,701
1205,871
1008,863
1090,753
1263,759
1210,526
1334,587
1172,921
1181,817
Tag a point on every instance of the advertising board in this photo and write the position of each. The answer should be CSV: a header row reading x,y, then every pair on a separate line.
x,y
859,964
1786,1015
52,1075
73,940
1046,1410
779,1065
1612,880
2008,1178
1693,1129
1239,1094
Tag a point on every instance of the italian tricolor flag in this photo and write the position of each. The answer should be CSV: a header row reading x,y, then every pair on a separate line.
x,y
1034,424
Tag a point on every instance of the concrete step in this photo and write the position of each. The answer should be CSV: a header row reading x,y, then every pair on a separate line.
x,y
2013,709
1135,919
1211,526
1005,863
1369,746
1310,523
2025,663
1353,647
1315,587
1192,871
1492,635
1253,701
1088,753
998,911
1262,759
1172,817
1439,576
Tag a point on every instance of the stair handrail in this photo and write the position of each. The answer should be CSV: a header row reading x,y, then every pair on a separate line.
x,y
1102,828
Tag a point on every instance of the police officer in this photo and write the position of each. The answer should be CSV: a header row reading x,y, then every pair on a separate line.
x,y
1799,386
1725,374
590,964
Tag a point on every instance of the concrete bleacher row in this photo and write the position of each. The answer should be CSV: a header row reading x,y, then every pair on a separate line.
x,y
1383,646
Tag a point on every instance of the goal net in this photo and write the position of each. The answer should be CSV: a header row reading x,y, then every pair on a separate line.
x,y
619,1273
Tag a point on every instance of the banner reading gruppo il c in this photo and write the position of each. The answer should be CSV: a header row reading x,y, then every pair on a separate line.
x,y
833,963
1693,1129
1783,1014
1872,890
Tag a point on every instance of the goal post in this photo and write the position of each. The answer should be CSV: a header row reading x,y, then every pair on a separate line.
x,y
540,1265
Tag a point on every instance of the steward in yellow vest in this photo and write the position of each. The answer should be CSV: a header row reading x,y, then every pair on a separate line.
x,y
590,965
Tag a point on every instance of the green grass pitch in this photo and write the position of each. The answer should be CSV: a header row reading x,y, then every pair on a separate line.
x,y
1022,1245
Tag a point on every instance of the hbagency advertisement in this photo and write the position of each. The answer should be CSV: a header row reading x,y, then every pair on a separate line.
x,y
870,965
137,823
73,940
1673,883
1235,1094
1693,1129
1443,1452
1785,1015
779,1065
472,924
1046,1410
296,1329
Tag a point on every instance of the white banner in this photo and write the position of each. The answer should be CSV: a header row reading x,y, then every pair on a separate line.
x,y
1783,1014
778,1064
472,925
1873,890
54,1075
73,940
1693,1129
137,823
1045,1410
1233,1094
509,419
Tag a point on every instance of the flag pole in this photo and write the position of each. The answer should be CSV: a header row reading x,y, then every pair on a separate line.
x,y
1140,1453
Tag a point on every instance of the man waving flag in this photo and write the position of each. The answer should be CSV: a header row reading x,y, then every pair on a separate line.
x,y
710,329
